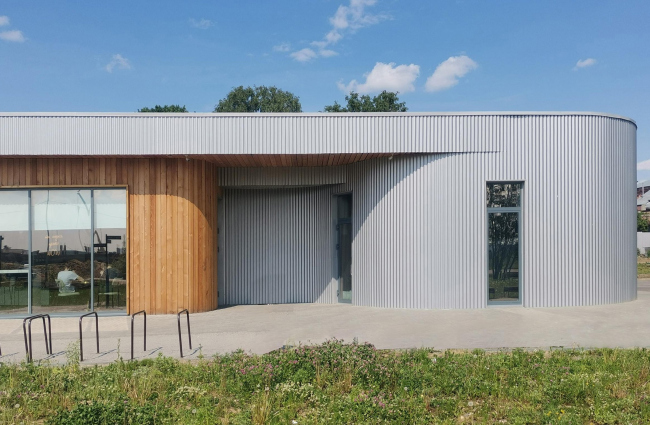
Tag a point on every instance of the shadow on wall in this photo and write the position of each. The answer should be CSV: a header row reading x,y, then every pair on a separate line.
x,y
276,245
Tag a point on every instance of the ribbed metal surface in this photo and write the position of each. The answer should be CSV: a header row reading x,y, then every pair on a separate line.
x,y
212,134
281,176
420,224
276,246
420,221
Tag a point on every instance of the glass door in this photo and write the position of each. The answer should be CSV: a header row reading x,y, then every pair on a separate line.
x,y
503,254
344,247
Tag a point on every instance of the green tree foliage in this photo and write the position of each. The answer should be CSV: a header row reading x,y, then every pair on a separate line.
x,y
642,223
384,102
259,99
166,108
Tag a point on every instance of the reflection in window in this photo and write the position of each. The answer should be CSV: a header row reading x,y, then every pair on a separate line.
x,y
68,228
109,242
504,194
61,279
14,251
503,256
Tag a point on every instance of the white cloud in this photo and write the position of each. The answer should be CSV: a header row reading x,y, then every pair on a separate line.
x,y
643,165
347,19
4,20
118,61
326,53
584,63
304,55
283,47
14,36
203,24
385,76
447,73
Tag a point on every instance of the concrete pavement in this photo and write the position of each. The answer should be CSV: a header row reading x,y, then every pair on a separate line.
x,y
264,328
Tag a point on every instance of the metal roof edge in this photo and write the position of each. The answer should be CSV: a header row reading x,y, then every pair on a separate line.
x,y
314,114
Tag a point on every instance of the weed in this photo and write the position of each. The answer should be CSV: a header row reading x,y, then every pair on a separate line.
x,y
335,383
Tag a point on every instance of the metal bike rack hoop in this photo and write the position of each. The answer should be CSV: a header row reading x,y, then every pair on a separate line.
x,y
81,341
144,313
28,349
189,335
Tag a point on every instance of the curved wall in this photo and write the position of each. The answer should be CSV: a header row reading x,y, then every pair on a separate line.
x,y
171,238
420,220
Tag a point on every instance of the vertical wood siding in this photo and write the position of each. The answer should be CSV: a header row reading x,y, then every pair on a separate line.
x,y
171,222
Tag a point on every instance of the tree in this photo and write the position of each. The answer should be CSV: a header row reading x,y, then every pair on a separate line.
x,y
166,108
384,102
642,223
259,99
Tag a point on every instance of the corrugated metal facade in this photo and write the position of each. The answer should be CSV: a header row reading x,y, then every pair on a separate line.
x,y
281,176
419,219
420,222
276,246
213,134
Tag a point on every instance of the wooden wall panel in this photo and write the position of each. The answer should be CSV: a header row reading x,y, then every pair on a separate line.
x,y
172,222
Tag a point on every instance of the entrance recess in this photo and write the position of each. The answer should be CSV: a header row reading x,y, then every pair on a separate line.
x,y
344,246
504,248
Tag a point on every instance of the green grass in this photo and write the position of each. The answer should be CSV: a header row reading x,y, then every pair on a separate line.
x,y
337,383
643,269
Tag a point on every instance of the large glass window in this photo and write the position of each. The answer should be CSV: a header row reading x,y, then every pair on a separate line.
x,y
63,250
504,226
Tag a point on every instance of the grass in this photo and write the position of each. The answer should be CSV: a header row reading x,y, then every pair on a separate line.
x,y
643,267
336,383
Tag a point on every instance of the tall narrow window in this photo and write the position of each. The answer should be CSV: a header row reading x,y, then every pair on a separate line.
x,y
344,246
109,243
504,229
14,251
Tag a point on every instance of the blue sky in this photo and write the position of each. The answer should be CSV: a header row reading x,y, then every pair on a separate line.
x,y
464,55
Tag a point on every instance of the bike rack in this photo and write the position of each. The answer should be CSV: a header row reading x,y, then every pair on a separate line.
x,y
48,348
145,330
189,335
81,341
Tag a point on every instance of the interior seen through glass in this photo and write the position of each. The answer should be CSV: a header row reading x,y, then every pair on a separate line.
x,y
64,275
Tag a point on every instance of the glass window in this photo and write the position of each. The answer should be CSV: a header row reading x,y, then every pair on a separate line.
x,y
61,238
344,206
14,251
71,255
504,194
503,256
109,242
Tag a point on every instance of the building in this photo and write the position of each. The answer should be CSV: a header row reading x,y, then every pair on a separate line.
x,y
124,212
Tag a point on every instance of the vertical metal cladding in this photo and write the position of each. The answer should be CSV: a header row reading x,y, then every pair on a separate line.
x,y
281,176
276,246
420,221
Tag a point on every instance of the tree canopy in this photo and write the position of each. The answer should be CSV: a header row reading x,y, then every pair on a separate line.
x,y
384,102
166,108
259,99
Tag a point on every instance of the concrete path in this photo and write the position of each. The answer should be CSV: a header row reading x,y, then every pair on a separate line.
x,y
264,328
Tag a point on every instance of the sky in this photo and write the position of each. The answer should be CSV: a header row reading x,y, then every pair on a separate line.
x,y
463,55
